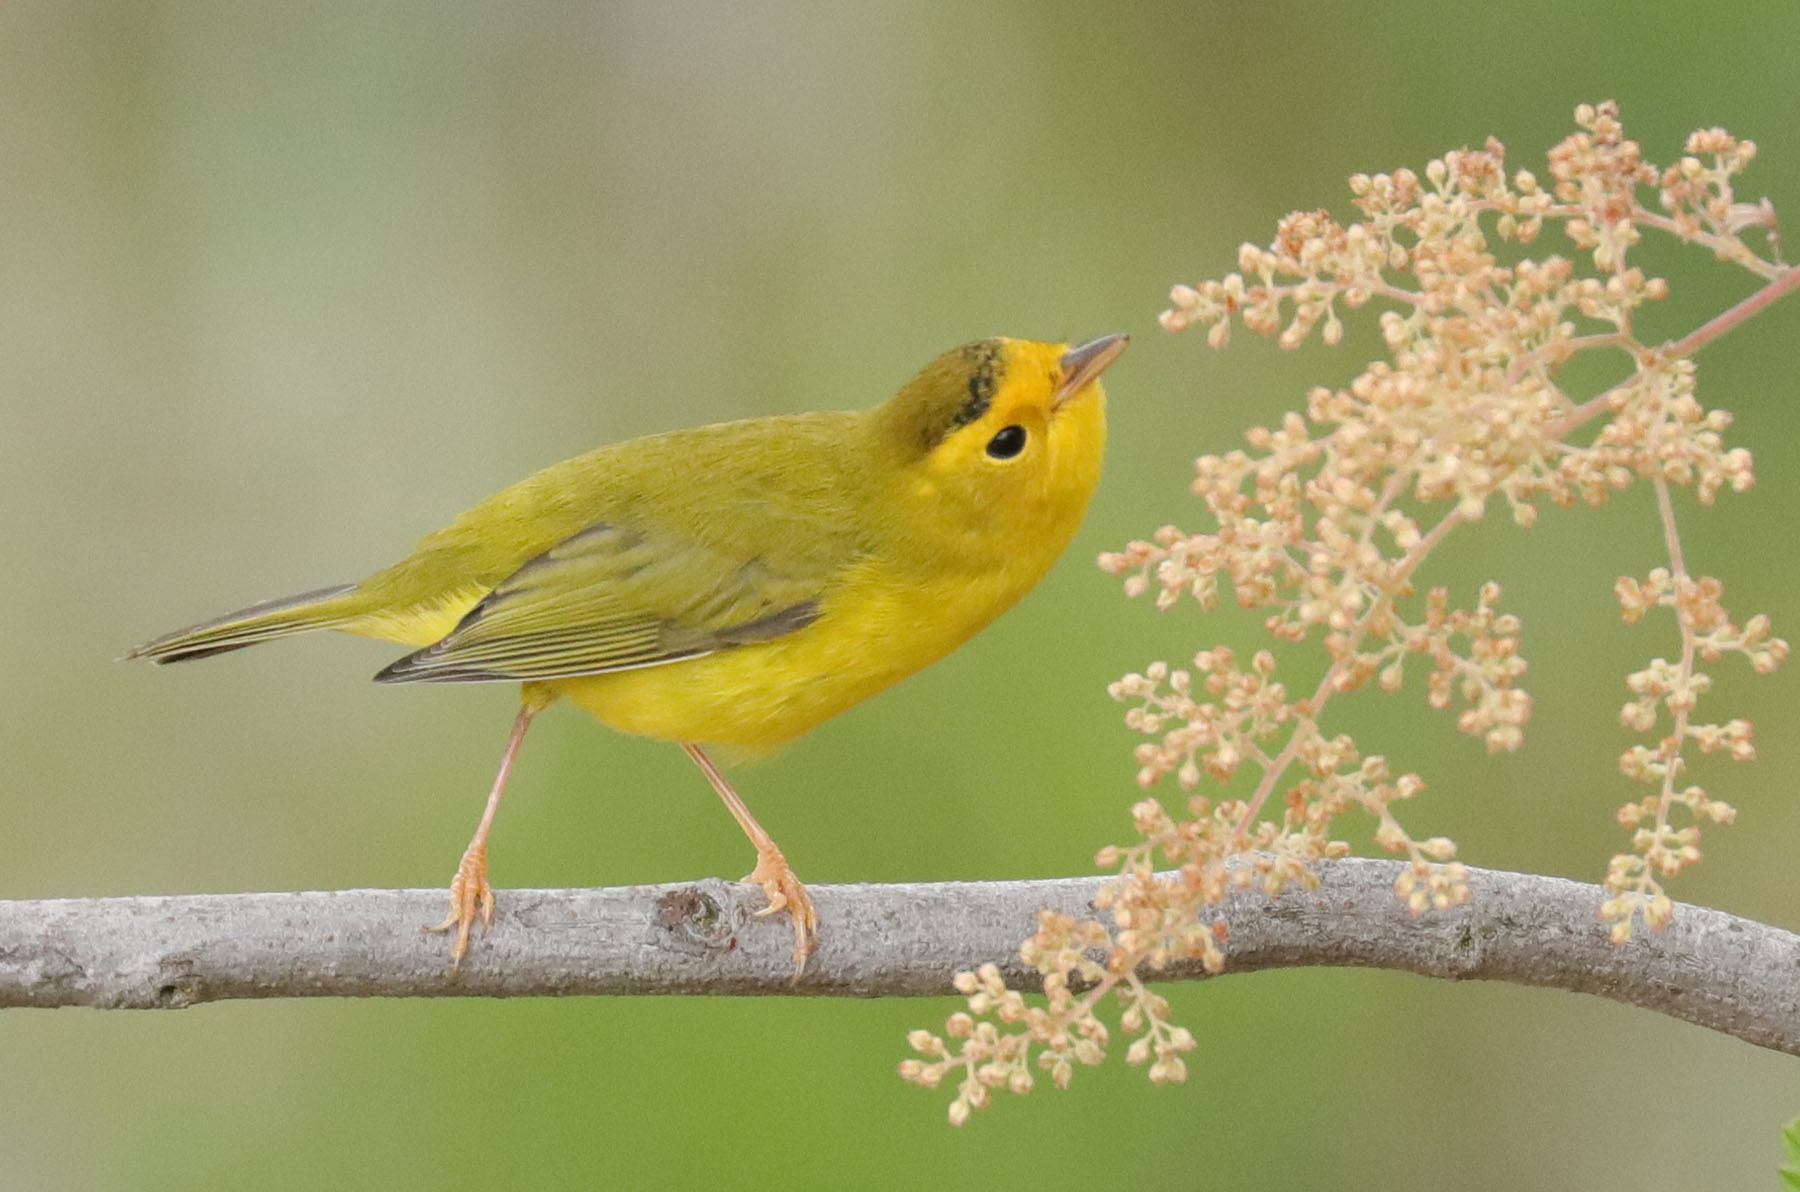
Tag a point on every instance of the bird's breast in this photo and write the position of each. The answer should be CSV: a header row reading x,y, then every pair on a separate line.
x,y
877,625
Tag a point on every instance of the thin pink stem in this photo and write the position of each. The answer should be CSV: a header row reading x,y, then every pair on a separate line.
x,y
1665,508
1783,284
1686,346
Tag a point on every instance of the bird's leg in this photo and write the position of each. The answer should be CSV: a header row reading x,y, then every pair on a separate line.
x,y
470,894
771,873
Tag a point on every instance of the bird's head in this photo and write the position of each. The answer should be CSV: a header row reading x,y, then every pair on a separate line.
x,y
1010,430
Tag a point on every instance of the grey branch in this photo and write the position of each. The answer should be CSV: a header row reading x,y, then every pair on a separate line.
x,y
905,940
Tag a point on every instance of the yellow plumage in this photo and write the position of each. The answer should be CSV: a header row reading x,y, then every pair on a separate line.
x,y
737,584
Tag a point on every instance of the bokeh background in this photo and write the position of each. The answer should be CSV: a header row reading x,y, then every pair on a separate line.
x,y
282,287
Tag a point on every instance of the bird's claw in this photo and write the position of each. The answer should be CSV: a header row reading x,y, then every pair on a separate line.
x,y
785,893
470,898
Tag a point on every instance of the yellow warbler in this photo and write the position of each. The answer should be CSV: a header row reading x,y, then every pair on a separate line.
x,y
735,584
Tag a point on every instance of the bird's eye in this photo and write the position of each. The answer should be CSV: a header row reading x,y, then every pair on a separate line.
x,y
1007,442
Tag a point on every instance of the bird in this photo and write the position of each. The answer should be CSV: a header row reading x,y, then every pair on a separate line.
x,y
737,584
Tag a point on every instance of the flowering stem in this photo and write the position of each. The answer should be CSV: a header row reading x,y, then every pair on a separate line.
x,y
1686,346
1678,708
1397,584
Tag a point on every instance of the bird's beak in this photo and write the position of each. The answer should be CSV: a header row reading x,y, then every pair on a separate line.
x,y
1081,365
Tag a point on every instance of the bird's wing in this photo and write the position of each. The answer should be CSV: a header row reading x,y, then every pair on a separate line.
x,y
614,597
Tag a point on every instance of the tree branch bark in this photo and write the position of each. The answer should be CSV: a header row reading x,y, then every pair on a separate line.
x,y
1709,968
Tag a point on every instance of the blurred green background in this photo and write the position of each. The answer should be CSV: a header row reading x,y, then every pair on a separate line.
x,y
282,287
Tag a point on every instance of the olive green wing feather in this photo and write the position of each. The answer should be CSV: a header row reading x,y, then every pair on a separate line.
x,y
616,597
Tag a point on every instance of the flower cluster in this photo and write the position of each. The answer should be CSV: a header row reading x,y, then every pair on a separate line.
x,y
1323,522
1660,849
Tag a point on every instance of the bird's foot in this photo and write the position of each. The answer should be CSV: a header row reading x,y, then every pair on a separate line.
x,y
470,898
787,894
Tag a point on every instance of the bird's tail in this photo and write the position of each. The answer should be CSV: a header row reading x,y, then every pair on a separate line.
x,y
321,609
